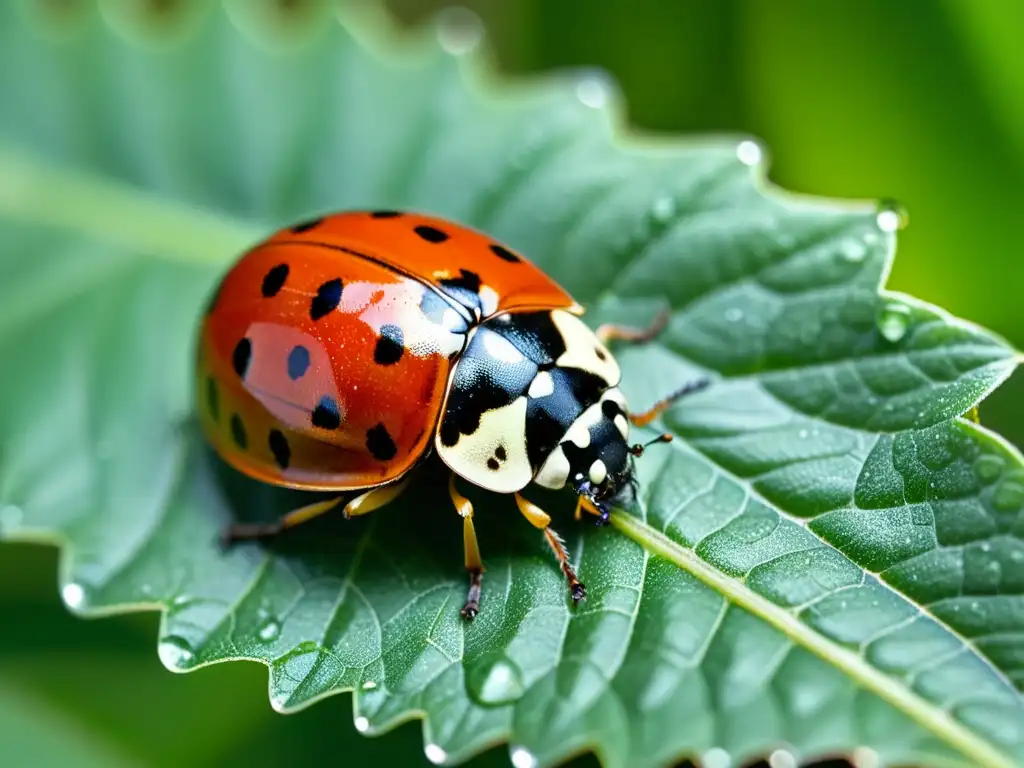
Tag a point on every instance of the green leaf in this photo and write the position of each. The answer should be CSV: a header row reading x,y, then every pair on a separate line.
x,y
828,558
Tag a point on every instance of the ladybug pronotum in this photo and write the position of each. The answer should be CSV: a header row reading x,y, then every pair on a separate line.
x,y
338,354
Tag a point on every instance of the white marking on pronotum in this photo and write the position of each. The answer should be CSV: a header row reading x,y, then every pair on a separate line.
x,y
542,385
554,471
500,348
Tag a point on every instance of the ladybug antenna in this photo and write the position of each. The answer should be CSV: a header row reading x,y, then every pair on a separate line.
x,y
639,448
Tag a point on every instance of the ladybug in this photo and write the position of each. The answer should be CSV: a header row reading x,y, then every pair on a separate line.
x,y
337,354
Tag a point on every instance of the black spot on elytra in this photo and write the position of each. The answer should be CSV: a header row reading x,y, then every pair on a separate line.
x,y
241,355
492,464
390,345
278,444
467,281
504,253
326,414
380,444
500,453
327,298
238,432
212,398
431,234
601,355
273,281
384,214
298,362
305,226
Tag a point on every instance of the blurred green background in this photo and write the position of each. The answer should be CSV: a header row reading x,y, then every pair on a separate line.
x,y
917,100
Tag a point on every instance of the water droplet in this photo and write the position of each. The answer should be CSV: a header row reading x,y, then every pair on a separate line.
x,y
495,680
269,630
175,653
1008,496
522,758
891,216
781,758
985,546
459,30
893,320
1017,556
435,754
988,468
716,757
74,595
802,434
10,516
593,90
362,724
749,152
369,685
870,238
663,210
865,757
853,250
734,314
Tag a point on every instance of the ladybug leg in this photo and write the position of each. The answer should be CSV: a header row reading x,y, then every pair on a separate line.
x,y
645,418
541,519
360,505
247,531
610,332
474,564
583,504
375,498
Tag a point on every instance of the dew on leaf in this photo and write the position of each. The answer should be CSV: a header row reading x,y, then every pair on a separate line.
x,y
803,433
893,320
865,757
593,90
175,653
459,30
716,757
522,758
853,250
891,216
269,630
435,754
362,724
1008,496
988,468
1017,556
663,209
73,595
734,314
495,680
781,758
369,685
749,152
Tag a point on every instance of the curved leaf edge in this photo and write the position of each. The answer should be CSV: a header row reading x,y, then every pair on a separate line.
x,y
380,37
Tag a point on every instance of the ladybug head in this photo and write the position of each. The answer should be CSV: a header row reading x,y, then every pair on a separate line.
x,y
600,459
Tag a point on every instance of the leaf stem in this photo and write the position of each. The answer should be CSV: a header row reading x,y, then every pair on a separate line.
x,y
37,192
941,724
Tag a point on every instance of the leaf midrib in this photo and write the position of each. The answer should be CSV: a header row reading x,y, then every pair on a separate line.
x,y
39,193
